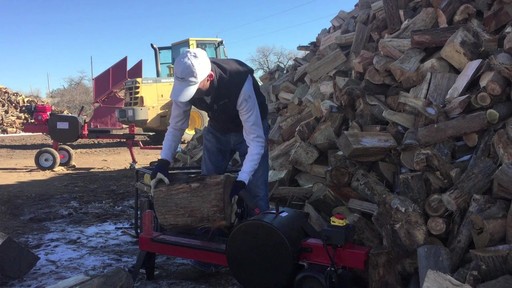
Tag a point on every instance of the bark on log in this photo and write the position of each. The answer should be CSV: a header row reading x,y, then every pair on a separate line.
x,y
195,201
462,47
497,261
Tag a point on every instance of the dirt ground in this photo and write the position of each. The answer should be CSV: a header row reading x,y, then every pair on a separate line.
x,y
78,219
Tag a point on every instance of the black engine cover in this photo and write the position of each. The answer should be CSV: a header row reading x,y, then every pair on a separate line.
x,y
65,128
263,251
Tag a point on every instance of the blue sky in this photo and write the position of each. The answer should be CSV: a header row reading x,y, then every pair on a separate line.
x,y
56,39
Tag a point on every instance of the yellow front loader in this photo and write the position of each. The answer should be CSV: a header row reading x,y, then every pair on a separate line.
x,y
147,103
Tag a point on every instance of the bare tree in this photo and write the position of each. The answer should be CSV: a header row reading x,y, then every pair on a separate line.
x,y
75,94
267,58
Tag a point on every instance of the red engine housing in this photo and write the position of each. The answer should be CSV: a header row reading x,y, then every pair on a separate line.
x,y
42,113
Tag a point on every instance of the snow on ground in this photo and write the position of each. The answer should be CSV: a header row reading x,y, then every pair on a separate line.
x,y
68,251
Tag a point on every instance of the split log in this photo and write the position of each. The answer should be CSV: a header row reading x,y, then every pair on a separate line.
x,y
462,47
432,257
475,180
16,260
303,154
501,282
497,18
497,261
470,71
426,19
503,146
406,64
381,269
365,146
394,48
493,82
194,201
434,37
461,241
392,210
435,279
325,65
392,15
502,182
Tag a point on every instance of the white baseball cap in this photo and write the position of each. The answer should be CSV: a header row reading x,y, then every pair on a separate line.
x,y
190,68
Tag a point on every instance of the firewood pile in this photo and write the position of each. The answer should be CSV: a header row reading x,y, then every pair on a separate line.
x,y
13,110
399,117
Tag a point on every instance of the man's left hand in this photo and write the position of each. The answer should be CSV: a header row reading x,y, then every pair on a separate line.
x,y
237,187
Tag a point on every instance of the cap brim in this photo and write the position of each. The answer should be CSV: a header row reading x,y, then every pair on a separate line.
x,y
182,92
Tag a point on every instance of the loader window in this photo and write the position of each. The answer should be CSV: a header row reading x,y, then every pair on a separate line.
x,y
165,63
209,48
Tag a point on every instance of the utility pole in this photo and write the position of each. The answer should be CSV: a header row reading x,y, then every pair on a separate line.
x,y
48,85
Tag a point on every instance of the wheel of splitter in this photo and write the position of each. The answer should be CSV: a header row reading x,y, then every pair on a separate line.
x,y
47,159
66,155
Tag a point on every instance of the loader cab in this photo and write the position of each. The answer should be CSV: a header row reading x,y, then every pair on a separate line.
x,y
166,55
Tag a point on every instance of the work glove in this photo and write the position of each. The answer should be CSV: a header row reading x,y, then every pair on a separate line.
x,y
160,173
237,187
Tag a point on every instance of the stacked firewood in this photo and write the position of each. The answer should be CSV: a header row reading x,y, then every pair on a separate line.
x,y
13,110
399,117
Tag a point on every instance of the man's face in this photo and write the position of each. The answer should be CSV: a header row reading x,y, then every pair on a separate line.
x,y
203,87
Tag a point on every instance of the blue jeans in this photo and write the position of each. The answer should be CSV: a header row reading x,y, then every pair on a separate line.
x,y
219,149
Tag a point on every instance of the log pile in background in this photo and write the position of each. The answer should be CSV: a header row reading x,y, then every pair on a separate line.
x,y
399,116
12,110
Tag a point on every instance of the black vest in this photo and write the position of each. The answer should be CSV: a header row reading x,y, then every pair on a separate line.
x,y
230,77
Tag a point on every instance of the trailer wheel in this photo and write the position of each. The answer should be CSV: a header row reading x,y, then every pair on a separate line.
x,y
66,155
198,120
47,159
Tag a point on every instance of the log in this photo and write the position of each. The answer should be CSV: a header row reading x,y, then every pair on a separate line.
x,y
326,64
194,201
461,241
475,180
434,205
496,260
392,210
439,132
434,37
365,146
394,48
500,282
493,82
497,18
462,47
406,64
435,279
303,154
487,232
502,182
470,71
503,146
440,84
381,269
16,260
392,15
432,257
437,226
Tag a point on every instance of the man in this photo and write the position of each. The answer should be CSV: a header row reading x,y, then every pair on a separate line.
x,y
228,91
